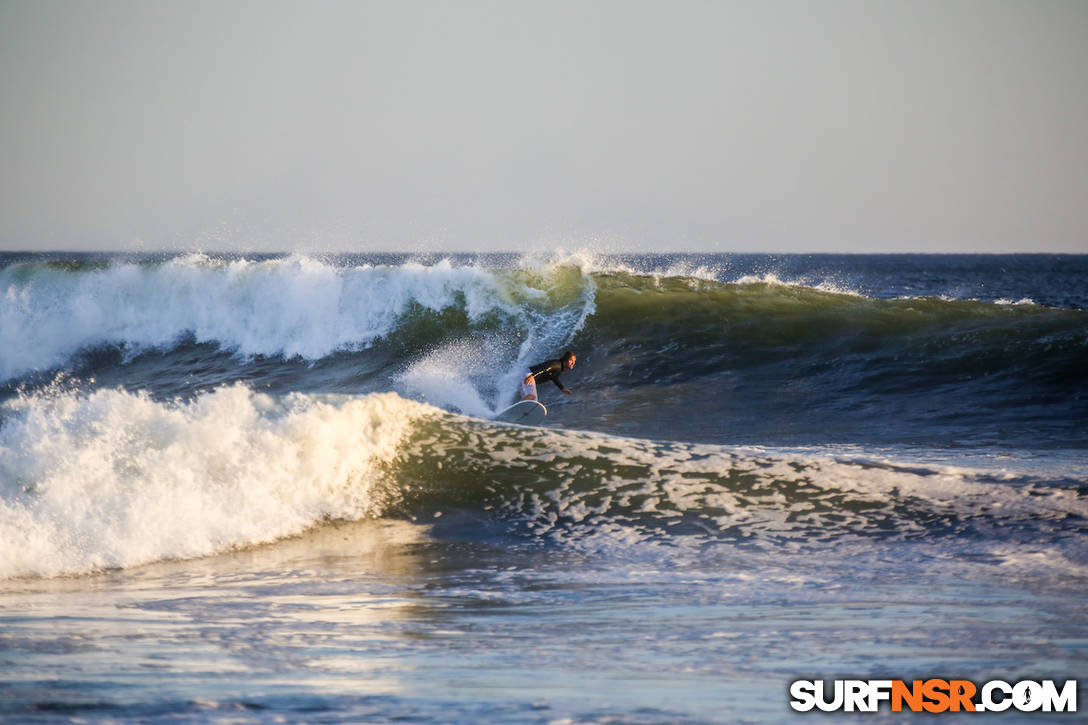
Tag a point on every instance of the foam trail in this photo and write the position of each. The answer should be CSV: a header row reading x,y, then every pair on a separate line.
x,y
645,500
116,479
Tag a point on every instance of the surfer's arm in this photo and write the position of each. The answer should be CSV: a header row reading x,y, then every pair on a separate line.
x,y
550,372
544,371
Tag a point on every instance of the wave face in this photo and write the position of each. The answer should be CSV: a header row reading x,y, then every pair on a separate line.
x,y
166,408
818,365
701,349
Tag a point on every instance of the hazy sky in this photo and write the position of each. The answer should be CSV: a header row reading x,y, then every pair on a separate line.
x,y
842,125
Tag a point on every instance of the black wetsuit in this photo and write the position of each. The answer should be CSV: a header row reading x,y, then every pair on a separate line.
x,y
548,370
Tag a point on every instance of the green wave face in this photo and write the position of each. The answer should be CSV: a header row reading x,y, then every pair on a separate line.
x,y
662,355
574,487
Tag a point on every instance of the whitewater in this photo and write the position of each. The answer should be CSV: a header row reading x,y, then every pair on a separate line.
x,y
265,488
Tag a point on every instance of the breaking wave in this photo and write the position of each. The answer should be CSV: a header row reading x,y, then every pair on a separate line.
x,y
114,479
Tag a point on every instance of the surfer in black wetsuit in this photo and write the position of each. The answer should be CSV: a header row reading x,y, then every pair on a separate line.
x,y
545,371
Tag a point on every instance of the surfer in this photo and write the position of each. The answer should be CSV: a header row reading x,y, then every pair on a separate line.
x,y
545,371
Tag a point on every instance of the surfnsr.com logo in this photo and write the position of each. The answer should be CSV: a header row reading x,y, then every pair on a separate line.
x,y
933,695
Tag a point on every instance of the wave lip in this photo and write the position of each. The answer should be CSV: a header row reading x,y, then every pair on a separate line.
x,y
292,307
115,479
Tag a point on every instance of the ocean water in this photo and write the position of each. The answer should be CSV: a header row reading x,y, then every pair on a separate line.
x,y
267,488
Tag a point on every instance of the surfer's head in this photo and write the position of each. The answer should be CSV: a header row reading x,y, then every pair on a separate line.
x,y
568,359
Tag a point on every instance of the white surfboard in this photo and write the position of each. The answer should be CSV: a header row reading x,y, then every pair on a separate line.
x,y
523,412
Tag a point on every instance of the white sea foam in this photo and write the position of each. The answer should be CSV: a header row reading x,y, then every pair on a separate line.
x,y
116,479
622,497
112,478
292,307
774,280
590,262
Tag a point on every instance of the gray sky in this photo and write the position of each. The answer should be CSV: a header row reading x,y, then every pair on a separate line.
x,y
770,125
